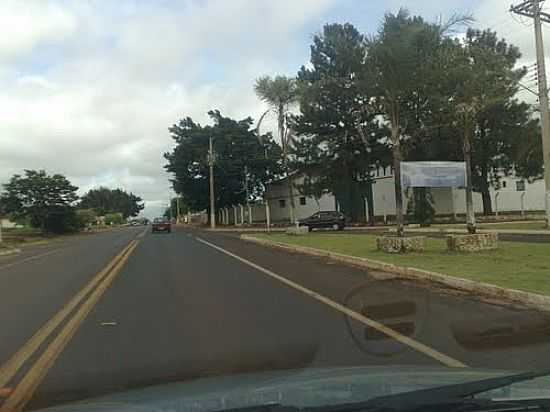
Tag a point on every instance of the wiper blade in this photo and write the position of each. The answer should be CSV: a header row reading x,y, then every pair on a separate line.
x,y
456,405
457,395
407,400
449,395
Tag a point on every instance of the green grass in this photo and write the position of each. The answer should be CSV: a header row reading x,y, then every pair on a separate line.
x,y
523,266
23,236
539,225
515,225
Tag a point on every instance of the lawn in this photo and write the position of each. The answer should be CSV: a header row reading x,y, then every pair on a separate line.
x,y
524,266
514,225
538,225
20,236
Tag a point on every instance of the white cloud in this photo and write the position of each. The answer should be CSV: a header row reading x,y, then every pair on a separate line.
x,y
90,90
26,24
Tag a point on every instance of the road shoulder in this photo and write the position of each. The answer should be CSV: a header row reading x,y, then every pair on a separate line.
x,y
479,289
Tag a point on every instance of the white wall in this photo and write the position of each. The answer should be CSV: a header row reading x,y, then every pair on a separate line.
x,y
279,192
447,200
7,224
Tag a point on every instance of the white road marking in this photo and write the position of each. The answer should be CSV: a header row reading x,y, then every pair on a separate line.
x,y
420,347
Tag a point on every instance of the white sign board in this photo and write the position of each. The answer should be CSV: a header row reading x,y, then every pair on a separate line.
x,y
433,174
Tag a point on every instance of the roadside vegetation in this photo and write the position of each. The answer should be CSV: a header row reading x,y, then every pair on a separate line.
x,y
41,205
535,225
413,91
515,265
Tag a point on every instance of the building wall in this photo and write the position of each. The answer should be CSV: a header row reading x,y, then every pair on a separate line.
x,y
7,224
279,202
453,200
446,200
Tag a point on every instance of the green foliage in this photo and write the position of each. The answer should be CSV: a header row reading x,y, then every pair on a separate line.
x,y
47,200
86,217
62,219
276,92
114,218
478,98
104,200
339,142
280,93
420,207
237,148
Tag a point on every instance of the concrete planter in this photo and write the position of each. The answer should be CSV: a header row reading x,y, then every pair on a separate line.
x,y
395,244
472,243
297,230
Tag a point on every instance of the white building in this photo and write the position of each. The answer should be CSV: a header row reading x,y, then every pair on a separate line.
x,y
514,195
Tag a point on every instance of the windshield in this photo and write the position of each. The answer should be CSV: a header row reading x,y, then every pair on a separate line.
x,y
303,202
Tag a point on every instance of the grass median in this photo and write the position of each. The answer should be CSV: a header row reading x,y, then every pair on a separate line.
x,y
515,265
534,225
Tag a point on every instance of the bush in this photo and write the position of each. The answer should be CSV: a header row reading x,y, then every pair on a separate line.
x,y
61,220
86,217
420,208
114,219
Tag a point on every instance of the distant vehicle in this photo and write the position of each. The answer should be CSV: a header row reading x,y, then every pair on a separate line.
x,y
327,219
161,224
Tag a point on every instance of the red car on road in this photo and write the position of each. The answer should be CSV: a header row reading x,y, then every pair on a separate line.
x,y
161,225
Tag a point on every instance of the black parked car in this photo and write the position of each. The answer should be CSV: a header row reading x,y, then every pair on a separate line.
x,y
335,220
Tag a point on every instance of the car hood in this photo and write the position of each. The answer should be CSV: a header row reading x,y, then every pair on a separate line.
x,y
302,388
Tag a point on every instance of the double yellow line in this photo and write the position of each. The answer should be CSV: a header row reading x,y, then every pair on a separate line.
x,y
83,302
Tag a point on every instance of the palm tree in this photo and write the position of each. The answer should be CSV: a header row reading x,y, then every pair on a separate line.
x,y
280,93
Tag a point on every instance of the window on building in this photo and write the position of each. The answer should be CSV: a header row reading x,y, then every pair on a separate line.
x,y
303,201
282,203
520,185
503,184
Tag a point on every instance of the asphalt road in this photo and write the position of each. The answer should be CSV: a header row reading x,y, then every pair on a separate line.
x,y
190,304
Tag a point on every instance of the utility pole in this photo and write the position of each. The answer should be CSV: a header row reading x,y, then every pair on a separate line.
x,y
532,9
212,202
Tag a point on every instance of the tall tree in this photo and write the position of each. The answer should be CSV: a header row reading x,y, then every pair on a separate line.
x,y
339,141
280,93
47,200
104,200
500,121
392,65
240,158
400,70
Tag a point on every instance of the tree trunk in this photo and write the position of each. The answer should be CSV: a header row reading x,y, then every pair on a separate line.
x,y
485,194
284,144
487,202
470,213
370,204
397,179
292,207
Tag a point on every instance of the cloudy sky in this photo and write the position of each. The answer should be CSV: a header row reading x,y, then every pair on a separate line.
x,y
89,87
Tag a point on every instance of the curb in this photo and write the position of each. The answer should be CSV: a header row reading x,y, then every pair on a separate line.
x,y
244,229
513,296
